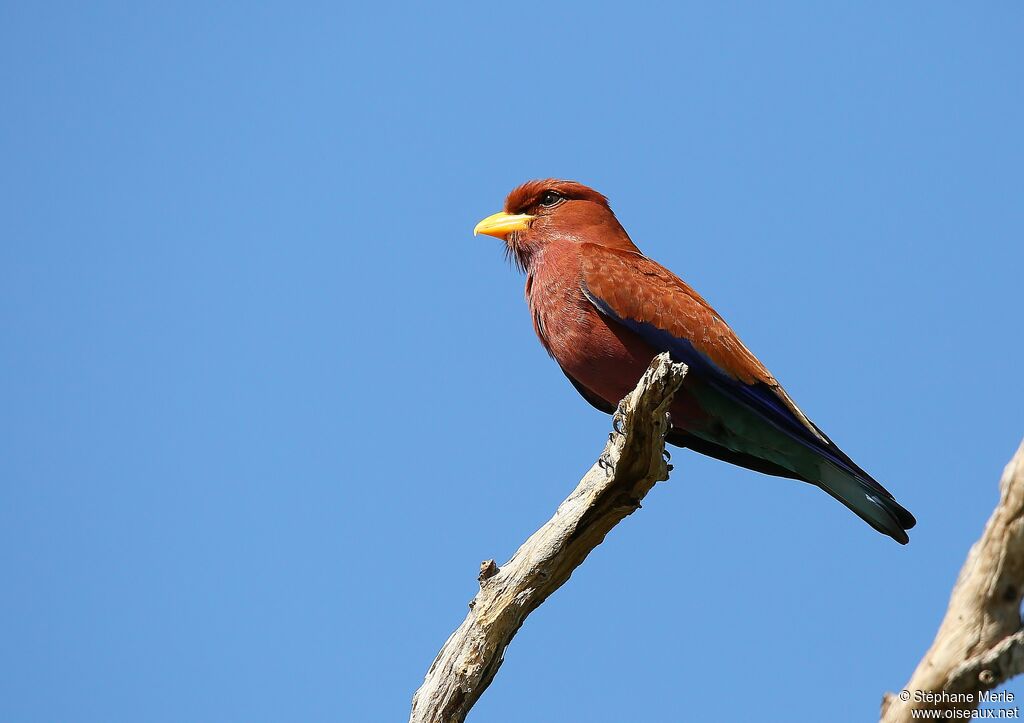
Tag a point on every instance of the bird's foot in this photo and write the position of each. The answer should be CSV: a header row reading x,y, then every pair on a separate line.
x,y
606,464
619,420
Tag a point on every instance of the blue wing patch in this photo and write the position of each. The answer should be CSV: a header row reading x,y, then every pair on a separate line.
x,y
758,397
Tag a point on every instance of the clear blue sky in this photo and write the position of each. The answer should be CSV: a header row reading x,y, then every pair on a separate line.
x,y
267,403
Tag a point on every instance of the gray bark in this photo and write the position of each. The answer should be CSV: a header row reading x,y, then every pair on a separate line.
x,y
979,643
632,462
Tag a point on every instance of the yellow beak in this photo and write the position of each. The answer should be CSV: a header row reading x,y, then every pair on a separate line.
x,y
502,224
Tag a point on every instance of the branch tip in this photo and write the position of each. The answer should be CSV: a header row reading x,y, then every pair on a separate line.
x,y
631,463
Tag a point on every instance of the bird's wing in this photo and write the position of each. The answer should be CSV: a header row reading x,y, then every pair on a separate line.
x,y
653,303
670,316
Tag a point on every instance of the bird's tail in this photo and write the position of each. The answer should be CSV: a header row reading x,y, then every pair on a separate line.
x,y
868,500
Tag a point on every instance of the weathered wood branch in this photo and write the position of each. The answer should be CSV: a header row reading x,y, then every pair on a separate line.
x,y
632,462
980,643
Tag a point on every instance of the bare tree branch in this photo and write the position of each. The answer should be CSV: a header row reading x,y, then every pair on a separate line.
x,y
979,644
632,462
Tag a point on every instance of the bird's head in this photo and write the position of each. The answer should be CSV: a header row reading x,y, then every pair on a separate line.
x,y
549,211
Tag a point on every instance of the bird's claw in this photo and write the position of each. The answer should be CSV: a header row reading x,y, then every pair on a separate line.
x,y
604,463
619,420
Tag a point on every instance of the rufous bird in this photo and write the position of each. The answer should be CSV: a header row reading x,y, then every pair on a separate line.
x,y
603,310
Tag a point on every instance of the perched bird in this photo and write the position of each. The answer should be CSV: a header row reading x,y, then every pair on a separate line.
x,y
603,310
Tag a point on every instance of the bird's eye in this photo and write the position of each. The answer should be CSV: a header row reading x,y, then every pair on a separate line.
x,y
551,198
